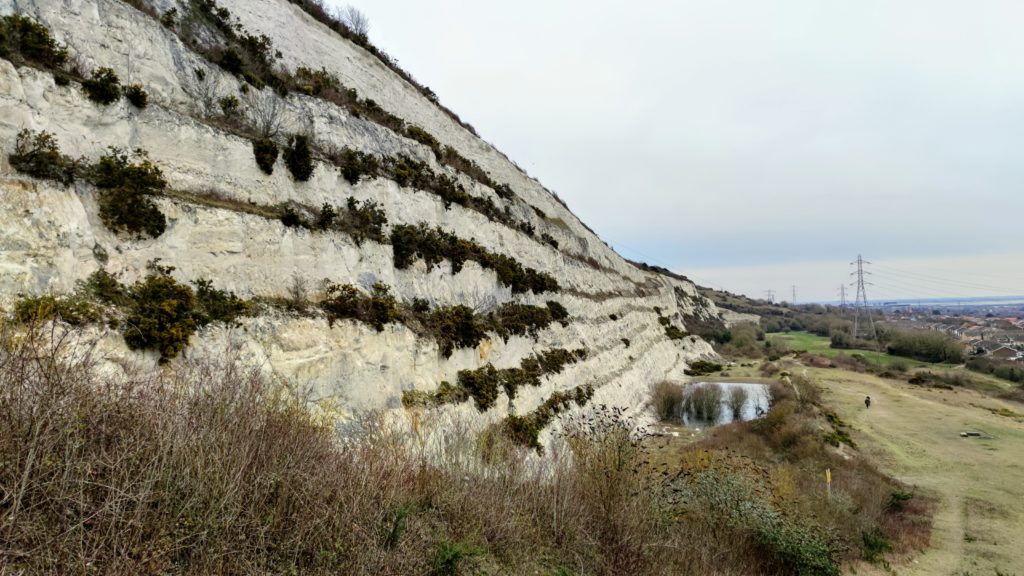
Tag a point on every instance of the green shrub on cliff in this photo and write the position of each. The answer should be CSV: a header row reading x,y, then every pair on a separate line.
x,y
104,87
299,158
24,39
125,188
38,155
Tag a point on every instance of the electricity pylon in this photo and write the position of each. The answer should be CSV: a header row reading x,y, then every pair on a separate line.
x,y
861,302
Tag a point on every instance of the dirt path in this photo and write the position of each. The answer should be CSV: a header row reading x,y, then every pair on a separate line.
x,y
914,434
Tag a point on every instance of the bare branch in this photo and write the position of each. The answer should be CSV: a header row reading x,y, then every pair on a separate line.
x,y
354,19
266,113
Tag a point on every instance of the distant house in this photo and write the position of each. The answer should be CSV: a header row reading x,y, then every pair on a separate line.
x,y
1004,353
975,332
988,346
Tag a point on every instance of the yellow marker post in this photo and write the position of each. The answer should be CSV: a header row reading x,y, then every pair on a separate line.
x,y
828,481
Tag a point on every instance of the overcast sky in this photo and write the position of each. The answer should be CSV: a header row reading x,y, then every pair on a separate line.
x,y
753,145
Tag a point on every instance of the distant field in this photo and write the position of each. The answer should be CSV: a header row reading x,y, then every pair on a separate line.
x,y
822,346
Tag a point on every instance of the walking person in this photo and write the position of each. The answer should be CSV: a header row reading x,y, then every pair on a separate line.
x,y
867,402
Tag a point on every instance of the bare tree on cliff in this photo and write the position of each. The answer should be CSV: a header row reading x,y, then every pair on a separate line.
x,y
354,19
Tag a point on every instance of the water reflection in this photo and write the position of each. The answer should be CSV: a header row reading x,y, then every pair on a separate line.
x,y
716,403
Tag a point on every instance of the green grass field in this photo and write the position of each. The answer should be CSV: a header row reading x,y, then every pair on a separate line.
x,y
821,346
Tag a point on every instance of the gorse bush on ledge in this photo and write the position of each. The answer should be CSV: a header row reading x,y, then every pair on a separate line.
x,y
674,333
265,151
433,245
162,314
460,327
156,313
229,106
485,383
525,430
103,87
703,367
137,96
291,219
377,309
25,40
344,301
355,164
362,220
38,155
423,137
512,319
455,327
125,190
74,309
299,158
124,186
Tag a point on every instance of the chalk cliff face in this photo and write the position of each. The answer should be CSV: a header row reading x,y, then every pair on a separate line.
x,y
51,236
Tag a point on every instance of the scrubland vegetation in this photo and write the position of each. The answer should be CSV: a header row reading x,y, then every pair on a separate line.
x,y
1009,371
772,470
211,469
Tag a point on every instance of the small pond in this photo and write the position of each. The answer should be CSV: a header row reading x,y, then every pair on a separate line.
x,y
716,403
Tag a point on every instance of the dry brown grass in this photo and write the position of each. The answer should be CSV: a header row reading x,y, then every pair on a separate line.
x,y
213,469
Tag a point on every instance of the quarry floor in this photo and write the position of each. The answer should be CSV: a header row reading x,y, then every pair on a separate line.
x,y
913,433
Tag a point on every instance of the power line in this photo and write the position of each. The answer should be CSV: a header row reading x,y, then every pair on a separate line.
x,y
771,296
890,283
842,297
1003,275
972,285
